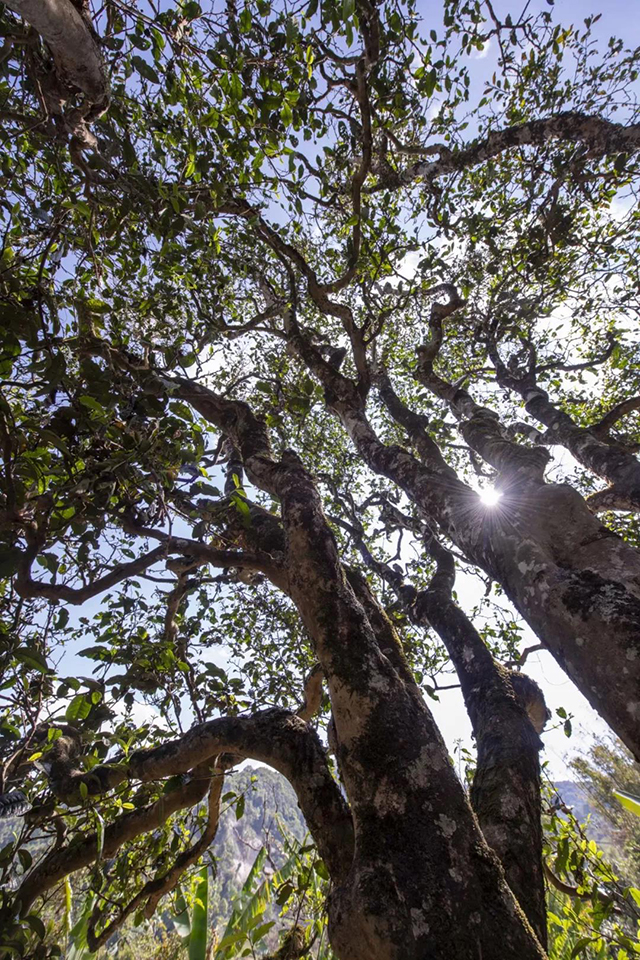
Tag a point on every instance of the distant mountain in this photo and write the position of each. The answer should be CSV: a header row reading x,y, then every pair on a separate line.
x,y
270,804
576,796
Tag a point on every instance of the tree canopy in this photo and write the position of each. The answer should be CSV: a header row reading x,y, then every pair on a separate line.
x,y
281,287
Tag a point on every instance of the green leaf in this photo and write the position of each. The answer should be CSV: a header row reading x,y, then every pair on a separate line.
x,y
236,87
32,658
286,113
261,931
348,8
181,920
230,939
628,801
430,81
25,858
78,935
92,404
580,945
36,925
145,69
198,936
78,709
68,899
635,895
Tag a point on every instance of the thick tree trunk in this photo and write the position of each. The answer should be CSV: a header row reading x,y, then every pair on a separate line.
x,y
575,583
578,586
423,881
607,460
506,786
590,446
70,37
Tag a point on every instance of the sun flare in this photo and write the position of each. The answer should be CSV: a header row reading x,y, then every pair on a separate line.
x,y
490,496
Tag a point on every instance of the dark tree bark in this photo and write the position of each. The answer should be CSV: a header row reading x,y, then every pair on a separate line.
x,y
418,868
392,760
506,711
420,878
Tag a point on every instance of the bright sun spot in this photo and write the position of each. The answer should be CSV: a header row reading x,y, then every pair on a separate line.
x,y
489,496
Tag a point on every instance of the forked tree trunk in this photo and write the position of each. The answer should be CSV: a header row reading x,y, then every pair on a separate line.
x,y
423,881
574,582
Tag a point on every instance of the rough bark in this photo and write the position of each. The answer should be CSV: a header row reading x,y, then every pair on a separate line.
x,y
68,33
275,737
601,136
574,582
507,712
422,879
506,786
421,872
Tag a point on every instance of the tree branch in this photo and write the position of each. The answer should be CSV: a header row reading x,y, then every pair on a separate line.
x,y
603,426
162,884
79,853
29,588
275,737
602,137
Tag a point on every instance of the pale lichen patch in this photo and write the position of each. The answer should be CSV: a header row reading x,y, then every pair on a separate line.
x,y
447,825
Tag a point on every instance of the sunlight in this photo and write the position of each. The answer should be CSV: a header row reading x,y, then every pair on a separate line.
x,y
489,496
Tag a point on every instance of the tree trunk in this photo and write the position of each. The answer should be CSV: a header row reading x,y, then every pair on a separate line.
x,y
70,37
574,582
423,881
507,712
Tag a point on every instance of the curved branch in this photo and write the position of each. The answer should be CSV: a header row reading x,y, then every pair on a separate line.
x,y
591,446
275,737
603,426
79,853
29,588
601,136
162,884
583,364
567,889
